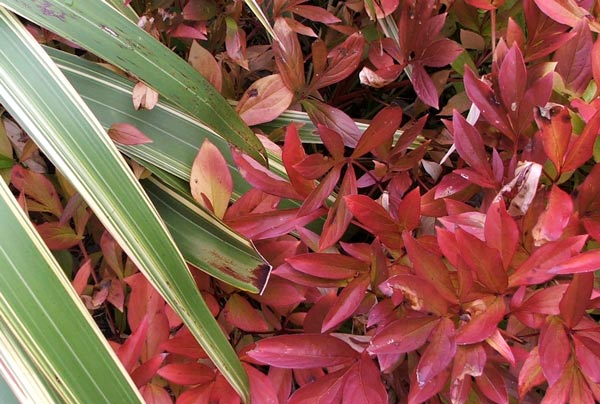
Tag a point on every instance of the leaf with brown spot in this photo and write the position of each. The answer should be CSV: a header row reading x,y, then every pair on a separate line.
x,y
264,100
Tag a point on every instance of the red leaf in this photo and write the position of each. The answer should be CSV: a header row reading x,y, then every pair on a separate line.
x,y
288,56
303,351
484,262
469,144
57,236
439,353
403,335
424,86
143,300
421,393
239,313
440,53
333,118
430,267
582,148
292,154
576,298
187,373
555,349
596,62
556,135
315,13
566,12
375,219
492,385
512,80
574,63
264,100
332,141
326,389
329,266
184,344
82,276
501,232
37,187
484,319
261,389
210,180
588,355
484,98
587,261
339,216
381,130
127,134
363,383
258,226
147,370
419,294
341,61
499,344
531,373
158,332
347,303
153,394
195,31
129,353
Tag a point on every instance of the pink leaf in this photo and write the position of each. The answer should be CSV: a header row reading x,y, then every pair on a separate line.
x,y
555,218
127,134
241,314
587,261
210,181
333,118
153,394
315,13
303,351
555,349
438,354
264,100
82,276
187,373
363,383
261,388
498,342
531,373
143,97
326,389
501,232
492,385
484,319
330,266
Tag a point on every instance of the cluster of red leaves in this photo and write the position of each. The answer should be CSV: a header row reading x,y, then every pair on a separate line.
x,y
392,282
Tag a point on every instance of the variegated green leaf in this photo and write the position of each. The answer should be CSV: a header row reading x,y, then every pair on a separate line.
x,y
37,95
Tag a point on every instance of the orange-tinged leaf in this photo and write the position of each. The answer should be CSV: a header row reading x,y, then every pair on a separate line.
x,y
82,276
559,392
403,335
363,383
57,236
264,100
303,351
531,373
205,63
424,86
339,216
154,394
288,56
235,42
129,353
499,344
144,96
143,300
127,134
581,149
38,188
184,344
439,353
210,179
242,315
587,261
347,303
158,332
187,373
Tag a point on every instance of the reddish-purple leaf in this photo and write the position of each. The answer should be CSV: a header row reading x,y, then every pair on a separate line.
x,y
492,384
239,313
501,232
259,226
596,62
341,61
326,389
484,98
440,53
263,179
424,86
292,154
429,266
576,299
127,134
555,349
485,315
566,12
315,13
439,353
82,276
421,393
363,383
512,80
333,141
484,262
288,56
264,100
375,219
210,180
574,63
346,303
381,130
187,373
58,236
582,148
330,266
339,216
403,335
469,144
333,118
316,198
303,351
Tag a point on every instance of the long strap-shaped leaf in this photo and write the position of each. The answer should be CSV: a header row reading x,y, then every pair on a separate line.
x,y
99,28
36,93
47,337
